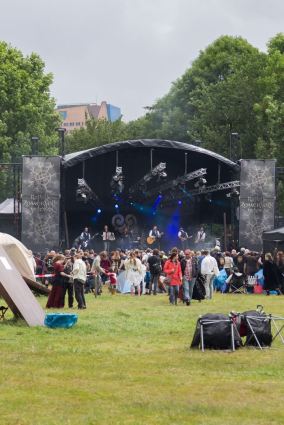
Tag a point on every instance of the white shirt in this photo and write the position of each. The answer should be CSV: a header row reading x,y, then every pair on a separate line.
x,y
209,265
79,270
151,233
106,236
182,234
200,236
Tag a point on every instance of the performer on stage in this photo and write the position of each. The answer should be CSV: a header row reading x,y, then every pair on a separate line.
x,y
154,237
85,238
183,237
125,239
107,238
200,236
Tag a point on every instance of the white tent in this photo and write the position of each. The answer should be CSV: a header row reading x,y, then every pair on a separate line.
x,y
17,264
19,254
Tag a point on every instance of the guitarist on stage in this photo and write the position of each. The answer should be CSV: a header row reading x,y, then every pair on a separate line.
x,y
85,238
155,235
183,237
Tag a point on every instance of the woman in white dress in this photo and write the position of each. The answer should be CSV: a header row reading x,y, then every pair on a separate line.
x,y
133,269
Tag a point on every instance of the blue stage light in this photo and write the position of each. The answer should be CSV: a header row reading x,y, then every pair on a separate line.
x,y
99,210
116,206
179,202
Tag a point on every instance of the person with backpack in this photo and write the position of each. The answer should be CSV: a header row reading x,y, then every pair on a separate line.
x,y
155,268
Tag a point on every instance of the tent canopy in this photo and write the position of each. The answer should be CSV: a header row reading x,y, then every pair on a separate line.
x,y
274,235
19,254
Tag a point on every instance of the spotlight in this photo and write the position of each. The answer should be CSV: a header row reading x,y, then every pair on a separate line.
x,y
99,211
84,193
179,202
234,194
116,206
158,172
208,197
200,183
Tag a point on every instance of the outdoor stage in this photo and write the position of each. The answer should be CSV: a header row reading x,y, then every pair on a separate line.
x,y
141,183
145,182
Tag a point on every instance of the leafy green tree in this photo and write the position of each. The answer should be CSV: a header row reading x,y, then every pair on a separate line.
x,y
231,87
96,133
26,107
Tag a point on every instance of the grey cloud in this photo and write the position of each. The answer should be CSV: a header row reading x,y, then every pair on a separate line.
x,y
129,51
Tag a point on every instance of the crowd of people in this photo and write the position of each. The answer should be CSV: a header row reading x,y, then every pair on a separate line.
x,y
183,275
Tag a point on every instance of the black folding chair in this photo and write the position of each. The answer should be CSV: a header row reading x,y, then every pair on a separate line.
x,y
3,311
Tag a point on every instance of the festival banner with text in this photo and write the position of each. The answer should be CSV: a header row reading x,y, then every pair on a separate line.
x,y
257,201
41,202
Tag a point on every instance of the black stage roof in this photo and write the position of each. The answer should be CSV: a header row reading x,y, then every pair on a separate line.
x,y
76,157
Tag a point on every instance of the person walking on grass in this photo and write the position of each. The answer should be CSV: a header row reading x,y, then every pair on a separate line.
x,y
172,270
155,268
79,273
189,272
55,298
133,269
209,269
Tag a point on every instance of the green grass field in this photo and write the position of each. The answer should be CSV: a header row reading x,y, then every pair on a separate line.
x,y
127,361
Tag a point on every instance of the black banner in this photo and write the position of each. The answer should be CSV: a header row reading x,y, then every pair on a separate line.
x,y
41,202
257,199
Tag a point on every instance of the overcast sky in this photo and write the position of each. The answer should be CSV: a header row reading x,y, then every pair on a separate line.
x,y
128,52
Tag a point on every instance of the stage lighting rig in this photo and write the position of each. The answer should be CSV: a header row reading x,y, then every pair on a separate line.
x,y
84,193
158,172
200,183
116,184
234,194
178,182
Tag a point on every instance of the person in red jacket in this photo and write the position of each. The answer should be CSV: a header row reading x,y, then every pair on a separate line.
x,y
172,269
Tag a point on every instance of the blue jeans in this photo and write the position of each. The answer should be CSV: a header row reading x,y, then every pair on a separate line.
x,y
154,281
174,294
188,286
209,285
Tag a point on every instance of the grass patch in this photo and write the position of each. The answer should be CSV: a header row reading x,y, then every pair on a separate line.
x,y
127,361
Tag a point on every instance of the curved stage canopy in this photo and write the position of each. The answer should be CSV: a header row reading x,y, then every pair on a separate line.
x,y
174,189
76,157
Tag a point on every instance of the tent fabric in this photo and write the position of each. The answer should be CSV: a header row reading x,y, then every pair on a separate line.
x,y
7,206
19,254
76,157
274,235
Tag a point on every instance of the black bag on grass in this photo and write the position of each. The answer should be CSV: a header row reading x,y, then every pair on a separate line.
x,y
217,335
199,288
261,327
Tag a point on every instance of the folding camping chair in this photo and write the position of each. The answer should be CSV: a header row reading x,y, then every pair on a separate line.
x,y
3,311
259,332
237,283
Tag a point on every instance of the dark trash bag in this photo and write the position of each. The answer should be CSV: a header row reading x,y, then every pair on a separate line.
x,y
199,288
261,325
217,336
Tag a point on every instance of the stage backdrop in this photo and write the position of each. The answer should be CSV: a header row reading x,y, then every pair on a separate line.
x,y
40,202
257,198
